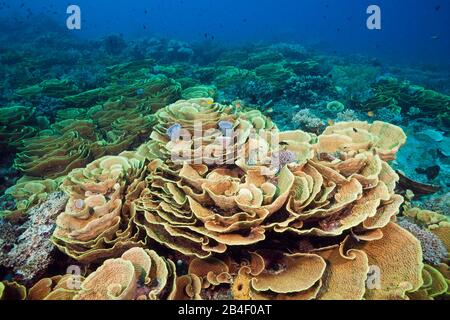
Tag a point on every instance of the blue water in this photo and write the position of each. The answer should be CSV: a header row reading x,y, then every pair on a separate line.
x,y
415,31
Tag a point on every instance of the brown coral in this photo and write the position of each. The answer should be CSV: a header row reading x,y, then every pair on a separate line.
x,y
269,214
12,291
97,222
137,275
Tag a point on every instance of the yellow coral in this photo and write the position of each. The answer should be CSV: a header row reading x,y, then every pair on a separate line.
x,y
327,207
97,223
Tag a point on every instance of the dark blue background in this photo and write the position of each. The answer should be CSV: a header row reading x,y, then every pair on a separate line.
x,y
408,26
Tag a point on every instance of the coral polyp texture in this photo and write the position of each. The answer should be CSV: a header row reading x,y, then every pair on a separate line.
x,y
252,212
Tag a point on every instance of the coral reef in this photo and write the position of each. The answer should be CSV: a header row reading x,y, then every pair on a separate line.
x,y
327,189
27,193
392,93
279,175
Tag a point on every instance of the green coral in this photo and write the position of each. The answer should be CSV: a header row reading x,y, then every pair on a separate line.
x,y
54,88
15,125
199,92
335,107
402,95
109,129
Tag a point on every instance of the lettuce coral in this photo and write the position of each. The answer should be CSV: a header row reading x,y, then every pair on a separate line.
x,y
15,125
402,94
69,144
28,193
268,214
137,274
97,222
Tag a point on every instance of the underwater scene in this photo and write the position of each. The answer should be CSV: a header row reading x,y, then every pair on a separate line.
x,y
224,150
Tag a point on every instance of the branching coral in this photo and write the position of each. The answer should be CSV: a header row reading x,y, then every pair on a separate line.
x,y
434,251
438,224
305,119
432,229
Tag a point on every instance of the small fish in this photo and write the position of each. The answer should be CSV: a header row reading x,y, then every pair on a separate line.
x,y
438,7
435,38
330,122
430,172
139,92
371,114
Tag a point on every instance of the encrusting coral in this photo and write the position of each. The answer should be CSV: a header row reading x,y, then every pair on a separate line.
x,y
265,213
432,229
30,252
